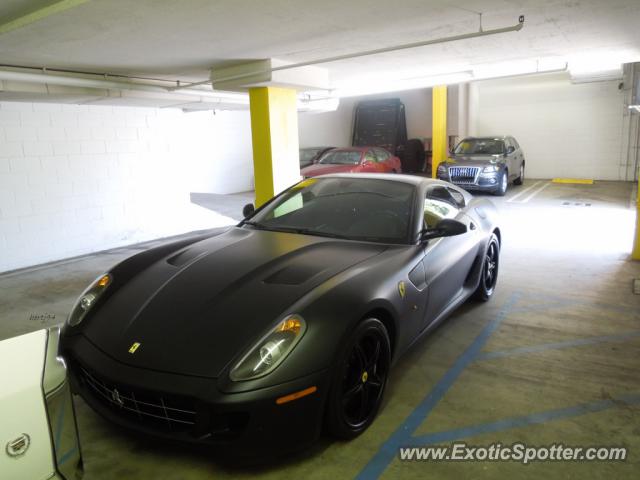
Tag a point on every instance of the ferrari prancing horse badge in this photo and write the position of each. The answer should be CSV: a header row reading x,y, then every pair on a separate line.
x,y
402,289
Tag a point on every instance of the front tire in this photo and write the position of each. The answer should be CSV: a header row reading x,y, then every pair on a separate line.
x,y
489,274
359,380
502,186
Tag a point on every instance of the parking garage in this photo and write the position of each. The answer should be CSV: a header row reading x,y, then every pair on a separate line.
x,y
126,128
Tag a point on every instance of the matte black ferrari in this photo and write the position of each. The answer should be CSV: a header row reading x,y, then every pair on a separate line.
x,y
265,334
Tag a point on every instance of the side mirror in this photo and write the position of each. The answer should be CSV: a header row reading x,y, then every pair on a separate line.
x,y
248,210
444,228
511,149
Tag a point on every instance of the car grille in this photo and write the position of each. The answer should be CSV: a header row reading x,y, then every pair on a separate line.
x,y
153,409
464,175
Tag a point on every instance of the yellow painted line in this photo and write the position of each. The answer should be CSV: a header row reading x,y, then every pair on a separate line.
x,y
40,14
579,181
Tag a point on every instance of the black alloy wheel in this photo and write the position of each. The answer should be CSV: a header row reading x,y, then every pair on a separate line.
x,y
359,381
489,274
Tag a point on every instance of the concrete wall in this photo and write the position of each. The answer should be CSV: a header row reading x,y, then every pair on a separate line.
x,y
76,179
565,129
336,128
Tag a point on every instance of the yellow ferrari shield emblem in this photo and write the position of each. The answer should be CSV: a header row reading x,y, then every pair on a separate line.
x,y
134,347
402,289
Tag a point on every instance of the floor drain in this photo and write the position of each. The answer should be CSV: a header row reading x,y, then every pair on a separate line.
x,y
636,286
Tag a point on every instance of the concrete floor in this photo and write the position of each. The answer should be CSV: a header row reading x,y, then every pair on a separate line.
x,y
560,339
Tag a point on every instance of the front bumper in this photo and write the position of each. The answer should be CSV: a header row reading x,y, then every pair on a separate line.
x,y
486,183
193,409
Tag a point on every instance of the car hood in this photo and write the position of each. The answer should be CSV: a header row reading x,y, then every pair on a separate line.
x,y
474,160
322,169
197,309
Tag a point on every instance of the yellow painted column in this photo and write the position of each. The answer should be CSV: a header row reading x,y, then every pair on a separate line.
x,y
439,144
274,135
636,243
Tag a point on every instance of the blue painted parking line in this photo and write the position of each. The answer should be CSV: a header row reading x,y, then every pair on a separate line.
x,y
558,345
523,421
404,432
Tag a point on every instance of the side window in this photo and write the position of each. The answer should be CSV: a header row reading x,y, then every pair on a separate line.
x,y
382,154
370,157
438,204
457,197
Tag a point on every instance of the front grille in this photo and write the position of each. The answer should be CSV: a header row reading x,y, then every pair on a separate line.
x,y
464,175
152,409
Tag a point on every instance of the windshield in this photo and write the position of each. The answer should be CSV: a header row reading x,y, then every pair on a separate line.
x,y
480,146
307,154
351,208
342,157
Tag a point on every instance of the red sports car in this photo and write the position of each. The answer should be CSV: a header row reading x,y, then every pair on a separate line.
x,y
354,159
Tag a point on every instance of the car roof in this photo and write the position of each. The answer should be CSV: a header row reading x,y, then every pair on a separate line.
x,y
493,137
351,149
393,177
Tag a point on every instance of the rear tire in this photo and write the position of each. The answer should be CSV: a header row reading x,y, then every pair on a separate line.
x,y
520,179
359,380
489,273
414,156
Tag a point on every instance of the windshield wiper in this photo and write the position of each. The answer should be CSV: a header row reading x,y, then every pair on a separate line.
x,y
257,225
307,231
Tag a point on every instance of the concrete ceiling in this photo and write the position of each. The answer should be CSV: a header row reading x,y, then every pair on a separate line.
x,y
184,39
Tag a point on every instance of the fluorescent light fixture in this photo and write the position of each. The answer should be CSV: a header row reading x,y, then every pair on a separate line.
x,y
595,67
389,86
519,67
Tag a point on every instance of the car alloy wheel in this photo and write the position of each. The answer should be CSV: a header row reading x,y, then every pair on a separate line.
x,y
489,274
504,182
361,377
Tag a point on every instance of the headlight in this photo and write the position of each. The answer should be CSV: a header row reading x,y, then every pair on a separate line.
x,y
271,350
442,169
490,168
88,299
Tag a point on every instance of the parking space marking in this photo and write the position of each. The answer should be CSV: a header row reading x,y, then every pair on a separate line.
x,y
525,420
402,435
558,345
511,199
532,194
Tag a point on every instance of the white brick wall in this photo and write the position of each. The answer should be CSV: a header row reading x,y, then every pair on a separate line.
x,y
76,179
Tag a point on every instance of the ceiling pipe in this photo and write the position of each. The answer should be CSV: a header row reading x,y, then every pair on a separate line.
x,y
365,53
99,83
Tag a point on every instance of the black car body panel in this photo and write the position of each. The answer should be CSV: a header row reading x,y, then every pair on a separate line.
x,y
196,306
198,316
